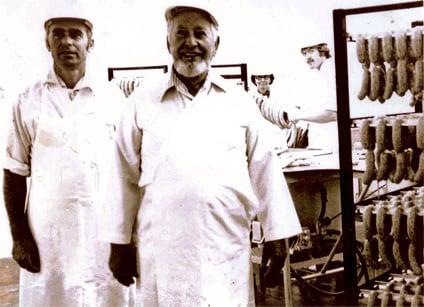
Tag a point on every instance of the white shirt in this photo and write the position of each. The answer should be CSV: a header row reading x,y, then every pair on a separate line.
x,y
53,92
316,90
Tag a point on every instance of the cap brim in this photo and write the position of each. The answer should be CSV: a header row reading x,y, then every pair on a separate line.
x,y
315,46
49,22
173,11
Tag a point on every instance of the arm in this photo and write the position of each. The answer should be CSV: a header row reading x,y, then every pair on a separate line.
x,y
123,193
277,213
16,170
317,103
25,251
123,198
14,192
316,116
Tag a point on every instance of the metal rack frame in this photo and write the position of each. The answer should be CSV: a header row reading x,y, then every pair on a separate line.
x,y
111,70
242,75
345,148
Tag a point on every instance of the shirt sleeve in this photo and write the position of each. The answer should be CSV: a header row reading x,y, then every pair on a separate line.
x,y
123,193
18,144
277,213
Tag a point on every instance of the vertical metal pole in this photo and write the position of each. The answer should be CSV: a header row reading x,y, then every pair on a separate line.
x,y
287,277
345,152
244,76
109,74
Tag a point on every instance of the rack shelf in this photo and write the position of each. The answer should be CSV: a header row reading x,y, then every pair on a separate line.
x,y
341,39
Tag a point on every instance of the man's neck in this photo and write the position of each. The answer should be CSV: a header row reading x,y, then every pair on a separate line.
x,y
70,76
265,93
193,84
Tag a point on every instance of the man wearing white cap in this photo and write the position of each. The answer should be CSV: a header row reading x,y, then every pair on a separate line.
x,y
193,166
316,103
60,137
273,108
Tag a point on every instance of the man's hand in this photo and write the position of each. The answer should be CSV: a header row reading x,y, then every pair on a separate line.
x,y
123,263
274,252
25,252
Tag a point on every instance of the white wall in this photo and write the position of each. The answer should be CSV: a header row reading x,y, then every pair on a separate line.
x,y
132,33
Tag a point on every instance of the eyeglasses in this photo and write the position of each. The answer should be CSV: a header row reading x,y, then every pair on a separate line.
x,y
263,78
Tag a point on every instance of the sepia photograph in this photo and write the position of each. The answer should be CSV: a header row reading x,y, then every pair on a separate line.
x,y
211,153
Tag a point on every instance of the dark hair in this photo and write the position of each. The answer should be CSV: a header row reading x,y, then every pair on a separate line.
x,y
322,49
271,76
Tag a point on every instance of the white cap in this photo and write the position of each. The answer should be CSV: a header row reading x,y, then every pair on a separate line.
x,y
173,11
72,10
86,22
318,46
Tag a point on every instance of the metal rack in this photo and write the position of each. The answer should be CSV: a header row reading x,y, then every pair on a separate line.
x,y
227,71
345,149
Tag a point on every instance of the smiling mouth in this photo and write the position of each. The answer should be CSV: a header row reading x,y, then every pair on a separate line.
x,y
190,56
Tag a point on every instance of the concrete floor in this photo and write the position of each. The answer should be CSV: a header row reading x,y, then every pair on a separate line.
x,y
9,290
9,282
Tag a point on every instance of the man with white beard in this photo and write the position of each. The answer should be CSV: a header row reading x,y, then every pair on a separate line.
x,y
193,167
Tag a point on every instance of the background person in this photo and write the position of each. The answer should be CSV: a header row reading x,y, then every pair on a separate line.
x,y
276,110
60,137
267,104
193,166
315,103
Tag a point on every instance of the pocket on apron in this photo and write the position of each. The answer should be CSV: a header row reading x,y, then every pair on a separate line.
x,y
230,234
151,155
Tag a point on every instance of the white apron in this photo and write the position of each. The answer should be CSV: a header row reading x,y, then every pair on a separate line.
x,y
193,227
66,161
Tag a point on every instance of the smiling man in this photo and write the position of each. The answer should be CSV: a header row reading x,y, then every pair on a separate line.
x,y
193,167
316,55
60,137
314,103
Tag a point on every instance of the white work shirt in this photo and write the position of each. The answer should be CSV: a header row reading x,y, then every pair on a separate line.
x,y
65,146
316,90
193,172
53,93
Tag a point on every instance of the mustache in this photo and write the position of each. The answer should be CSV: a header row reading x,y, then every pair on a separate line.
x,y
194,50
66,50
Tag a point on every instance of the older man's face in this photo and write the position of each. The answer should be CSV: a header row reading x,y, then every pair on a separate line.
x,y
69,42
192,43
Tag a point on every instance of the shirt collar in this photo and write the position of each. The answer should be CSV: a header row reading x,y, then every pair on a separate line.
x,y
173,82
87,81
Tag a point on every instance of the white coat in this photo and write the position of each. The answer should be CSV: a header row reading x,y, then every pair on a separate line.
x,y
193,172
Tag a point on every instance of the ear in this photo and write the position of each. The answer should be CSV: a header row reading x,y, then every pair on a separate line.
x,y
90,45
217,44
167,45
47,45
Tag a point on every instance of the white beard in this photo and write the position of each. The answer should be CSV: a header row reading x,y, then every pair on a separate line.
x,y
191,69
